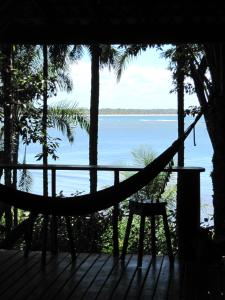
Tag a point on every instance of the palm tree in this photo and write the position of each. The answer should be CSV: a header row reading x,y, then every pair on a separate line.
x,y
204,64
208,77
101,56
7,103
94,107
24,83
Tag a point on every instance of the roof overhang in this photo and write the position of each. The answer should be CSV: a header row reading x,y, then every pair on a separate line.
x,y
85,21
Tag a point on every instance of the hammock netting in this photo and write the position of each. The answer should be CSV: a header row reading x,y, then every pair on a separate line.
x,y
89,203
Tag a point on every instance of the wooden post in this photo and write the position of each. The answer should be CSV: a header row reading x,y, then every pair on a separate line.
x,y
54,223
53,182
180,101
188,210
115,219
44,146
45,119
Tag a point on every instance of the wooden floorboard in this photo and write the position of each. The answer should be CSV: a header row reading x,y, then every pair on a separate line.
x,y
176,281
102,277
151,279
44,274
55,283
162,288
16,272
122,287
99,281
136,285
113,280
79,291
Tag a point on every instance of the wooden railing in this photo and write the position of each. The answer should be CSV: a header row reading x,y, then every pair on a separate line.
x,y
188,198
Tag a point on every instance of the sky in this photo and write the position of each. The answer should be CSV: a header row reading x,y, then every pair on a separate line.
x,y
145,84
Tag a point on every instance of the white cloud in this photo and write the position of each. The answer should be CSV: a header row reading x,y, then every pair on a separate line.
x,y
141,86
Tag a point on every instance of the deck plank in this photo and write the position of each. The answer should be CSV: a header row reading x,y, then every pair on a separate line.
x,y
55,281
113,279
10,264
102,277
81,289
216,285
188,289
28,275
7,255
10,284
151,279
135,288
162,288
71,278
176,280
13,266
45,274
94,289
124,283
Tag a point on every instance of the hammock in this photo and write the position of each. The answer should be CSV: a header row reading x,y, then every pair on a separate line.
x,y
89,203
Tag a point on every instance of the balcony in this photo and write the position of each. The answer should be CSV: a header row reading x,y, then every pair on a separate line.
x,y
103,276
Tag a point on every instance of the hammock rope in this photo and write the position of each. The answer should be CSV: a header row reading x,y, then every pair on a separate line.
x,y
89,203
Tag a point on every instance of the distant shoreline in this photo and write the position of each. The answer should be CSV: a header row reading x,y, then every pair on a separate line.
x,y
135,112
135,115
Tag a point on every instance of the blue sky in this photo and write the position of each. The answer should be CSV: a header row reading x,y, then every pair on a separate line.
x,y
145,83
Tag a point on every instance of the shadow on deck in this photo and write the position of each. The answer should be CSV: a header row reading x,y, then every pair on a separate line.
x,y
101,276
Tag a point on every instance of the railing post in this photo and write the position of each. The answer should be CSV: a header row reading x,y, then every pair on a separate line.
x,y
53,182
54,223
115,219
188,210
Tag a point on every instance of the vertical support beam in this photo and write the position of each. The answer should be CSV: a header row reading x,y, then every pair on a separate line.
x,y
45,146
45,119
53,182
54,223
6,80
180,101
188,211
115,217
94,107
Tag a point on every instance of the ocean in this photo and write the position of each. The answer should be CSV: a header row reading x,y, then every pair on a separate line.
x,y
119,135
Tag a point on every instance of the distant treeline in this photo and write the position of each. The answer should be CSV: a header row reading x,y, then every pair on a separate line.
x,y
131,111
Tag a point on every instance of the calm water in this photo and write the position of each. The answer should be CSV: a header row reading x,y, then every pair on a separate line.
x,y
118,137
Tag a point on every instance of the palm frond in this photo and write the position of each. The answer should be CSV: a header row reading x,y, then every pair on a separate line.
x,y
77,52
143,156
109,56
129,53
64,82
25,179
66,117
122,63
59,55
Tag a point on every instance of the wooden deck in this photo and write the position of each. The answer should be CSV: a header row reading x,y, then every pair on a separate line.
x,y
101,276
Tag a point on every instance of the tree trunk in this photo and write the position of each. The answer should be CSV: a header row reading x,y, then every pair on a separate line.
x,y
45,118
218,174
215,122
15,173
93,136
8,121
180,101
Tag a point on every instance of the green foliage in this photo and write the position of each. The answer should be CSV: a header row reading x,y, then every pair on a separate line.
x,y
25,179
93,233
142,156
128,53
65,117
156,190
28,85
